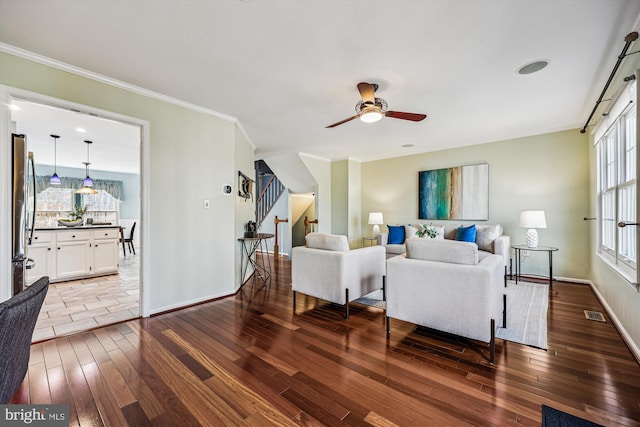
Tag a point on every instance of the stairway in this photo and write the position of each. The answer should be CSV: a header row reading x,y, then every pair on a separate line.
x,y
271,189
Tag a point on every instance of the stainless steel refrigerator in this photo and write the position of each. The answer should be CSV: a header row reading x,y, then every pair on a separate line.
x,y
24,210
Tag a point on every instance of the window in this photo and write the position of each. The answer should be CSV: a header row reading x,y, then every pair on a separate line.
x,y
56,203
616,167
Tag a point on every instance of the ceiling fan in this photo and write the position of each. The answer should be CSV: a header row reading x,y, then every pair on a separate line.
x,y
371,109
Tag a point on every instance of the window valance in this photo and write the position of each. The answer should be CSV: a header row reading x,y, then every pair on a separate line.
x,y
111,186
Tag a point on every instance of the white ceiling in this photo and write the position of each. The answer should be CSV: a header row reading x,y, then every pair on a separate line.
x,y
115,146
286,69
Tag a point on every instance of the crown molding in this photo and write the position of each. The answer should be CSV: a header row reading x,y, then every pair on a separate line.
x,y
34,57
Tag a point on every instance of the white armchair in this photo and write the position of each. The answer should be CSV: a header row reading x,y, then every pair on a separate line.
x,y
327,269
449,286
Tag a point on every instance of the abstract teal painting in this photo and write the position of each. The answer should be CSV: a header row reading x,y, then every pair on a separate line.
x,y
460,193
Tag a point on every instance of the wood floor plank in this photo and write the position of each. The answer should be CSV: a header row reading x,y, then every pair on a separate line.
x,y
249,360
104,397
241,391
144,396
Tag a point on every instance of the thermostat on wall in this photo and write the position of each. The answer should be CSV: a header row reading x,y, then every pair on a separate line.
x,y
227,190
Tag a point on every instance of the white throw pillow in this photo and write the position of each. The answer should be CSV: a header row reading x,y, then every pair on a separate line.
x,y
486,235
330,242
410,231
438,229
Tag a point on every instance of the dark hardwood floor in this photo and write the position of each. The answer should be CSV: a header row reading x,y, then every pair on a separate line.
x,y
248,360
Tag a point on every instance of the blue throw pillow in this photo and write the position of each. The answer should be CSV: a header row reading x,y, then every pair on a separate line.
x,y
396,234
466,234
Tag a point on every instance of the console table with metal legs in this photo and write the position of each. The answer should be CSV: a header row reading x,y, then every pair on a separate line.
x,y
518,253
251,246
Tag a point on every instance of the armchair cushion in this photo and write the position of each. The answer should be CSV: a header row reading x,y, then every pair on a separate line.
x,y
442,250
329,242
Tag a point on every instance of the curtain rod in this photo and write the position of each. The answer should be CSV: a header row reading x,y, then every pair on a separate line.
x,y
630,38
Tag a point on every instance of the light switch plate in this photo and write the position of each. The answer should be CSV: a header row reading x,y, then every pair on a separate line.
x,y
206,203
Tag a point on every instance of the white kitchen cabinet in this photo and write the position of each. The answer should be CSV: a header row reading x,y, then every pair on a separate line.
x,y
74,253
105,251
43,252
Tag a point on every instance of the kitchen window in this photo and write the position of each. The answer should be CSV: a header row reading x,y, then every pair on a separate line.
x,y
56,203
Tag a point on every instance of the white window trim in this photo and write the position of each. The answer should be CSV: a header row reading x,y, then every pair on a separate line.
x,y
621,105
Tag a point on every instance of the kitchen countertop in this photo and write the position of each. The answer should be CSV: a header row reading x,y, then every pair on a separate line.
x,y
78,227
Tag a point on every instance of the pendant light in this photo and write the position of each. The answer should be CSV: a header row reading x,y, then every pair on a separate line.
x,y
87,185
55,179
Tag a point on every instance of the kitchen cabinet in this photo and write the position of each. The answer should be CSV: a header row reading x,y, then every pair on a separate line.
x,y
43,251
74,253
105,251
73,259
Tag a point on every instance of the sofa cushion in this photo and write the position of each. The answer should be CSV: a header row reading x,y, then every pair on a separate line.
x,y
439,229
395,249
466,234
442,250
330,242
396,234
486,235
410,231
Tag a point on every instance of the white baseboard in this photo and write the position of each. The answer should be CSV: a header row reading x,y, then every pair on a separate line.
x,y
185,304
572,280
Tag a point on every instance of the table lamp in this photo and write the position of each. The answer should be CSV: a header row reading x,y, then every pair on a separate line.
x,y
532,220
375,219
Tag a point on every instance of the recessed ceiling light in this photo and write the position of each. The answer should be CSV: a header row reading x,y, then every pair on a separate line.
x,y
81,130
533,67
407,145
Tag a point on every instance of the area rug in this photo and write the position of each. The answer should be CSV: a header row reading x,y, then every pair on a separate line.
x,y
374,299
527,305
552,417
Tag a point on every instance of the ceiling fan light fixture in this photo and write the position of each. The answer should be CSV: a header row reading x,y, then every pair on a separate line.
x,y
371,116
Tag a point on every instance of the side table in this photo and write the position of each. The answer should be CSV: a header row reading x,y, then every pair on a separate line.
x,y
372,241
249,257
518,252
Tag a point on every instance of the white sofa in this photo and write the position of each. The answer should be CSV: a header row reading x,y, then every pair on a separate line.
x,y
326,268
449,286
489,238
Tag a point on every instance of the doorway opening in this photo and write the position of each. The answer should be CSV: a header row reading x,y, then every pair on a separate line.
x,y
108,287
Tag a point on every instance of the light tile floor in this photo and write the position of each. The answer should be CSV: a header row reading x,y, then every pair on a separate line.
x,y
78,305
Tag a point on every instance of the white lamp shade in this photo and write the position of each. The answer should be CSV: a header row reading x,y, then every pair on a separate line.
x,y
375,218
532,219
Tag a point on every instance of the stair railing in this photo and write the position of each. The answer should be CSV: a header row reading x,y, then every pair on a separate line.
x,y
267,198
309,225
276,248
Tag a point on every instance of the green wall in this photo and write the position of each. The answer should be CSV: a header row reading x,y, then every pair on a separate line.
x,y
340,197
191,155
545,172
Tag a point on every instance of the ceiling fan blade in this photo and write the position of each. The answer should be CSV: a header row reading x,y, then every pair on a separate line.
x,y
341,122
367,92
414,117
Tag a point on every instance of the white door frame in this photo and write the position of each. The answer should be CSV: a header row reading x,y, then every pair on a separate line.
x,y
8,92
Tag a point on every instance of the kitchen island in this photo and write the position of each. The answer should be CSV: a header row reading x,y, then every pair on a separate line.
x,y
69,253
